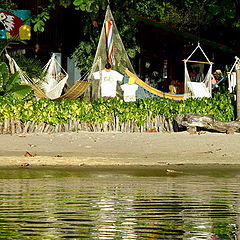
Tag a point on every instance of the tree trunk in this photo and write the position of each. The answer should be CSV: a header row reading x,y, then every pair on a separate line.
x,y
194,121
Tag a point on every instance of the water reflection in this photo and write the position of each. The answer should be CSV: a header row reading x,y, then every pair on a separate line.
x,y
119,204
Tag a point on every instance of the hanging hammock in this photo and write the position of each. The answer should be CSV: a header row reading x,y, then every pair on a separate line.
x,y
155,92
54,79
232,76
52,91
202,87
75,91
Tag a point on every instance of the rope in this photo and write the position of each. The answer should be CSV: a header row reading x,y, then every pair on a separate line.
x,y
14,67
237,59
207,79
53,60
198,46
192,53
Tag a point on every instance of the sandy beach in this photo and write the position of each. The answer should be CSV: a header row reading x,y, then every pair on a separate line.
x,y
119,149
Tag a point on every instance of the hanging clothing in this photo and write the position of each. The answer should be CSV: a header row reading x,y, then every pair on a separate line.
x,y
108,81
129,92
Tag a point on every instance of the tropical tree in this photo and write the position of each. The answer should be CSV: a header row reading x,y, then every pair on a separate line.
x,y
206,18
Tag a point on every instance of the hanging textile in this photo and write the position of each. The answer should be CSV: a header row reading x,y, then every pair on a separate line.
x,y
109,41
208,79
153,92
203,88
232,76
55,80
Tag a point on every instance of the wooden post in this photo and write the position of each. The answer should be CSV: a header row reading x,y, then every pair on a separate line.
x,y
238,88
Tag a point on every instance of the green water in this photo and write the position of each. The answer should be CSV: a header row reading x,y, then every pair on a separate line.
x,y
123,203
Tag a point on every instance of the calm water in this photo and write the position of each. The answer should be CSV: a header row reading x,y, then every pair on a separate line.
x,y
119,204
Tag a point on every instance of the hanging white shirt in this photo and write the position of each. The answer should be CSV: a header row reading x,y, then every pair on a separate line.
x,y
129,92
109,82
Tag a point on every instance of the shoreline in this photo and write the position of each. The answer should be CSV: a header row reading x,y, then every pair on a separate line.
x,y
116,149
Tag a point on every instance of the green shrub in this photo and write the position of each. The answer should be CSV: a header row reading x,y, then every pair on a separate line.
x,y
10,84
220,107
33,67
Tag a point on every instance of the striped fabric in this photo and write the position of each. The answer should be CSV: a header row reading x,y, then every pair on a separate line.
x,y
109,39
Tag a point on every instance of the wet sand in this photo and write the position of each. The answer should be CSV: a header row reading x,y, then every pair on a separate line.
x,y
119,149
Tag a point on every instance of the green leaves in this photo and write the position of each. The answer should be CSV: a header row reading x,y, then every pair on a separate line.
x,y
20,91
10,83
214,9
8,5
65,3
4,70
86,5
39,26
40,20
103,110
83,55
33,67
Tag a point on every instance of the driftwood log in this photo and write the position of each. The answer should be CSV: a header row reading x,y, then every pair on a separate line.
x,y
193,122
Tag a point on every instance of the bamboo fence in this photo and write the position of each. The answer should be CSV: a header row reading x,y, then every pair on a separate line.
x,y
157,124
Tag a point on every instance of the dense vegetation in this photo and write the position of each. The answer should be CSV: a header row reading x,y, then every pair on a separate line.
x,y
193,16
216,20
102,110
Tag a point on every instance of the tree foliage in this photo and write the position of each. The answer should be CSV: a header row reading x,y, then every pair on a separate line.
x,y
7,5
206,18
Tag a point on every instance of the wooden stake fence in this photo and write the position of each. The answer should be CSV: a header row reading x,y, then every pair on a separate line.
x,y
15,126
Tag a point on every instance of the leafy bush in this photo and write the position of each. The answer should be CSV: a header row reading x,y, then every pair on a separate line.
x,y
10,84
33,67
8,5
220,107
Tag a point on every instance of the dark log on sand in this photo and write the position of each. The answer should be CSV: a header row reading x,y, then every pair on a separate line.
x,y
194,121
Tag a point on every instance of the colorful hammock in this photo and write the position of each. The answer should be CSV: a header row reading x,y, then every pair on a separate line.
x,y
155,91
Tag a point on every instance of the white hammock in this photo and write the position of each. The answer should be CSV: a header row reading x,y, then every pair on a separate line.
x,y
198,89
52,85
232,76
